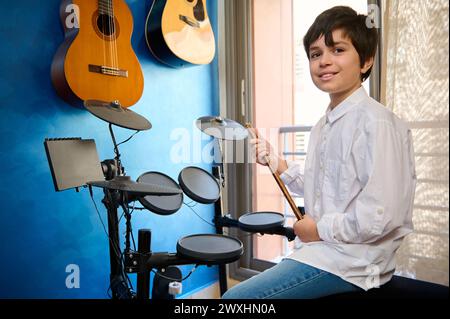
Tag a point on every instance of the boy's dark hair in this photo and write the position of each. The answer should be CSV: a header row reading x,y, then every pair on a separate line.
x,y
364,38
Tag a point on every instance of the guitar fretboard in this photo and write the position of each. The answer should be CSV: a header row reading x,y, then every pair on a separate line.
x,y
105,7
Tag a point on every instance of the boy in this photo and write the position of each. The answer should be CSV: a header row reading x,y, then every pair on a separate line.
x,y
359,176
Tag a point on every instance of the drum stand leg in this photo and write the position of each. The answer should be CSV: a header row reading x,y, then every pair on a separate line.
x,y
118,282
217,172
145,261
143,279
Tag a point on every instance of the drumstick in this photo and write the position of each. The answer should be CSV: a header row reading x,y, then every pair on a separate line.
x,y
279,181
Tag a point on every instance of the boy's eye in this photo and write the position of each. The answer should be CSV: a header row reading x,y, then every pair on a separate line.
x,y
314,55
338,50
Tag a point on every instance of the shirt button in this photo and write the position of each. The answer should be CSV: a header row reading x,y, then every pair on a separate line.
x,y
380,211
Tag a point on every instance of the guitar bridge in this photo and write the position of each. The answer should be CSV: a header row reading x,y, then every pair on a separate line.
x,y
189,21
107,70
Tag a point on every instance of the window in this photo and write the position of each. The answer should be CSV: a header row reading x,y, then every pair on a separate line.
x,y
286,102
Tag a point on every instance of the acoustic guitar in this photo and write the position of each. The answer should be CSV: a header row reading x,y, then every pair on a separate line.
x,y
179,33
96,60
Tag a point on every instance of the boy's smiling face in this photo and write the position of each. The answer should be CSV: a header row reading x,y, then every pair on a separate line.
x,y
337,69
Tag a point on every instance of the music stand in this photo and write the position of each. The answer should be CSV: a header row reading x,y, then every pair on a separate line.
x,y
73,162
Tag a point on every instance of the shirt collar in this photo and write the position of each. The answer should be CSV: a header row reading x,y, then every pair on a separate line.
x,y
346,105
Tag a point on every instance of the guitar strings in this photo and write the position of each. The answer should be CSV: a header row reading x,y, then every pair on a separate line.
x,y
113,37
114,34
111,46
111,49
102,15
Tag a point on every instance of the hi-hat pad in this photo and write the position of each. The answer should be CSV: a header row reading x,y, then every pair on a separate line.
x,y
113,113
124,183
221,128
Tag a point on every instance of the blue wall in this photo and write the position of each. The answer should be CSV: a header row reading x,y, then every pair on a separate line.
x,y
43,231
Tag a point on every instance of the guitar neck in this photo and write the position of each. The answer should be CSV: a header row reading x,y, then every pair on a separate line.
x,y
105,7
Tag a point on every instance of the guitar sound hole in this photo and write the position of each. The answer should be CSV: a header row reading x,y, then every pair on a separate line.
x,y
199,11
105,24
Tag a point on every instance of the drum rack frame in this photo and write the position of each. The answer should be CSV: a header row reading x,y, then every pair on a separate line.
x,y
143,261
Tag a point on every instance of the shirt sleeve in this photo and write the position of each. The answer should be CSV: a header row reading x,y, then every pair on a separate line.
x,y
293,178
382,160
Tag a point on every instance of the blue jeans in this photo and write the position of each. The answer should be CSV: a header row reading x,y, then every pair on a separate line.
x,y
290,279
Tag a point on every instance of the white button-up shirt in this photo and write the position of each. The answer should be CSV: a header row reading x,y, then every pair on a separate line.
x,y
358,185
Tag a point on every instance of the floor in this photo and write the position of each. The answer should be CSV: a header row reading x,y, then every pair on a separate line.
x,y
211,292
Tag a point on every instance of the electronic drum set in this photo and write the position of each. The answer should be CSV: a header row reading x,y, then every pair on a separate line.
x,y
163,195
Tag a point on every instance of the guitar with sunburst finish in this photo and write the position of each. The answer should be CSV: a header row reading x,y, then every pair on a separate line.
x,y
179,33
96,60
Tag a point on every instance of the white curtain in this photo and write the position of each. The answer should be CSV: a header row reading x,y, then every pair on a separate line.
x,y
415,75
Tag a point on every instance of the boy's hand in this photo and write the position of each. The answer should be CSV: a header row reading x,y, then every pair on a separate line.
x,y
262,149
306,229
264,152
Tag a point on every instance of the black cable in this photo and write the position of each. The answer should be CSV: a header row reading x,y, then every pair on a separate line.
x,y
129,228
175,279
243,236
116,245
190,207
98,213
116,251
104,227
128,138
190,203
132,236
132,239
138,208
